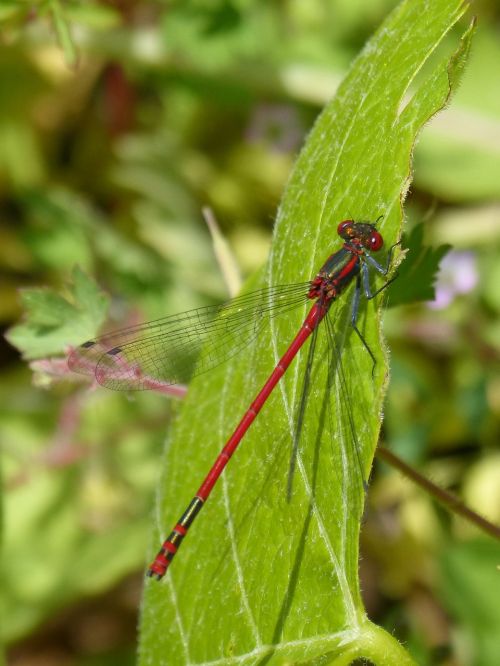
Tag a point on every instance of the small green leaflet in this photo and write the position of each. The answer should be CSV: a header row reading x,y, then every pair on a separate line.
x,y
52,322
417,275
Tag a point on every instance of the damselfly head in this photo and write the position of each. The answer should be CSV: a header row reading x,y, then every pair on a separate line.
x,y
361,233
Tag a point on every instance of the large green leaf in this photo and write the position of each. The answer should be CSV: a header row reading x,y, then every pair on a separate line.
x,y
261,580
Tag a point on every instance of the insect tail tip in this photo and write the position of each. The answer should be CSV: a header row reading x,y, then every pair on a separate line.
x,y
153,574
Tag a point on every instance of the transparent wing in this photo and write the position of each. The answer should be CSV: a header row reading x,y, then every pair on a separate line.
x,y
173,349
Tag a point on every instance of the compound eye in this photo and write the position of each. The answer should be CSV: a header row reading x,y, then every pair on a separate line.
x,y
375,241
343,228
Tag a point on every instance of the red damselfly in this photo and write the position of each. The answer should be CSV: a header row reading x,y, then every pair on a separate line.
x,y
169,351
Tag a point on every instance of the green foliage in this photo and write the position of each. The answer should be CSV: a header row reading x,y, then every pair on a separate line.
x,y
107,164
52,321
78,494
63,31
471,587
288,572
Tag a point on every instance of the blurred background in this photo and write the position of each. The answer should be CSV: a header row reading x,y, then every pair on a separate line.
x,y
119,122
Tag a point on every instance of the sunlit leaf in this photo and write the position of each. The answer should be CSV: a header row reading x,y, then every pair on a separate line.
x,y
262,580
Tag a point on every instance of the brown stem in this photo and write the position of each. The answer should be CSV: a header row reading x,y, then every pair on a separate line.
x,y
442,496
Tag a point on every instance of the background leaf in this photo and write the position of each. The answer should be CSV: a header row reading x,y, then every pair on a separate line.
x,y
472,568
63,31
52,322
417,276
286,575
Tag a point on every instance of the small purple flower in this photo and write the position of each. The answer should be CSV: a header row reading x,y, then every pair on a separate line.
x,y
457,275
276,124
